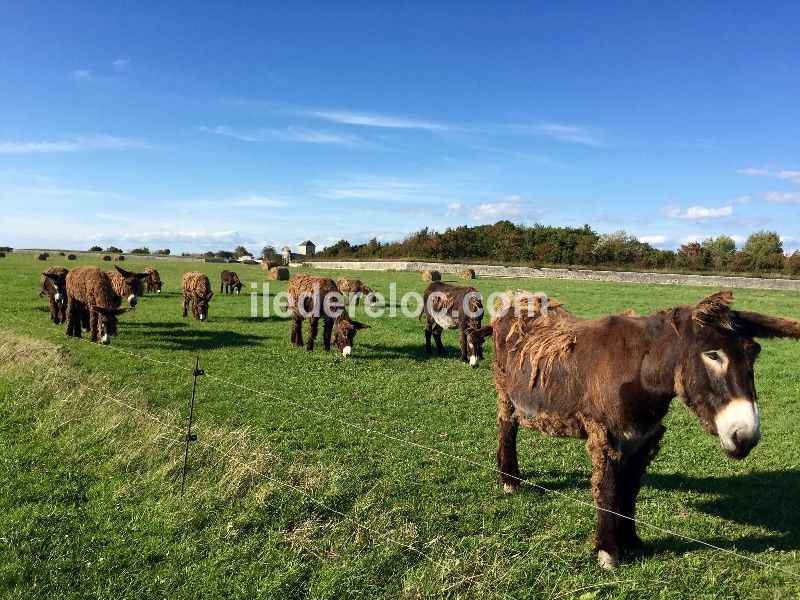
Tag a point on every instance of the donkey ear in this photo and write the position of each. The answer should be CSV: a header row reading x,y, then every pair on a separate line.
x,y
484,332
714,311
358,325
210,294
122,272
754,324
51,275
142,275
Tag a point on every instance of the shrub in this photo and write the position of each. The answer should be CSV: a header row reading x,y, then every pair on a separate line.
x,y
792,263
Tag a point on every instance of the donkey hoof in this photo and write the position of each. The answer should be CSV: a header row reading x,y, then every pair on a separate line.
x,y
605,560
510,488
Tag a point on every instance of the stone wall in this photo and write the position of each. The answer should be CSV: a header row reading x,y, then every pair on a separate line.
x,y
579,274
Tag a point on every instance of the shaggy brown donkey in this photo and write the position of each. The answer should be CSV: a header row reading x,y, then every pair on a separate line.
x,y
197,292
459,307
153,281
54,286
92,303
229,282
355,289
611,381
126,284
316,298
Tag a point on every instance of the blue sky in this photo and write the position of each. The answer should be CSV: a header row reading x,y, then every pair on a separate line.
x,y
199,126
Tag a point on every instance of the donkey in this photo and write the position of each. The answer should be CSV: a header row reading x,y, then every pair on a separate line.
x,y
459,307
611,381
318,298
229,281
54,286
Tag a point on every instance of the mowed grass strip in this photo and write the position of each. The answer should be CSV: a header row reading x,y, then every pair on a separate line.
x,y
89,502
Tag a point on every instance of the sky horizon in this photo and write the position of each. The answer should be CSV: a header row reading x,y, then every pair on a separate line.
x,y
197,127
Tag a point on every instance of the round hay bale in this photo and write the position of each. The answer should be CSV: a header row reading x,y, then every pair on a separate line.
x,y
62,254
268,264
106,257
2,254
119,257
467,274
42,256
278,274
71,257
431,275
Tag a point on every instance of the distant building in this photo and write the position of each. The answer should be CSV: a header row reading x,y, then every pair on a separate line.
x,y
305,250
245,258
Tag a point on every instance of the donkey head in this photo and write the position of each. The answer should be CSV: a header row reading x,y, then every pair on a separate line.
x,y
200,306
132,284
475,339
344,334
59,283
715,373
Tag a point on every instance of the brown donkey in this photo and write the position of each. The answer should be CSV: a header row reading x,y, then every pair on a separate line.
x,y
611,381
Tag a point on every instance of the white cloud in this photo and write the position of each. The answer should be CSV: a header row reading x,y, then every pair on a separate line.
x,y
575,134
120,63
741,199
82,74
383,189
78,144
290,134
688,239
671,211
511,206
656,240
701,212
375,120
782,197
453,209
793,176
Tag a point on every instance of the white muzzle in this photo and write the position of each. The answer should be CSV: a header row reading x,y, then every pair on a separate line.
x,y
105,339
738,424
473,361
347,351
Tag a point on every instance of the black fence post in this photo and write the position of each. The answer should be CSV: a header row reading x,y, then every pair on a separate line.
x,y
190,437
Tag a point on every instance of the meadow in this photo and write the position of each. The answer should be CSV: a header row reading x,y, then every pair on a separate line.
x,y
316,476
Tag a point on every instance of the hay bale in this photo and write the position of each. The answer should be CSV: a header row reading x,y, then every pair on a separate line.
x,y
431,276
268,264
2,254
71,257
278,274
106,257
119,257
61,254
467,274
42,256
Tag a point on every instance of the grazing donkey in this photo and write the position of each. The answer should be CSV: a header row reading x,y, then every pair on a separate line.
x,y
611,381
153,281
459,307
229,280
318,298
92,303
197,292
54,286
355,289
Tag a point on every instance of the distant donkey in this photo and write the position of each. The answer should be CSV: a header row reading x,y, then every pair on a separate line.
x,y
54,286
610,381
229,280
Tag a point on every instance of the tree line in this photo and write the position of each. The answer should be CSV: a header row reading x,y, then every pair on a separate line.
x,y
506,242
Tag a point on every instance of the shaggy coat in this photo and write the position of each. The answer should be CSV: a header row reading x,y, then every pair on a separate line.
x,y
54,286
611,381
447,306
229,282
153,281
354,288
316,298
126,284
197,292
92,303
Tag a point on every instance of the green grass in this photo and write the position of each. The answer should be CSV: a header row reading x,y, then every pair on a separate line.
x,y
290,503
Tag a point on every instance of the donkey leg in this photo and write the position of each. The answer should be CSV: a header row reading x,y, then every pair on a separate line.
x,y
428,329
507,427
605,489
313,323
327,329
437,337
633,468
463,343
94,323
185,306
53,311
297,330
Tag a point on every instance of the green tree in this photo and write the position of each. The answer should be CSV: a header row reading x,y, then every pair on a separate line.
x,y
240,251
720,251
763,250
95,249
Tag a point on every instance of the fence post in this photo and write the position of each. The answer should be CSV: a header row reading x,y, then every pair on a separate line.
x,y
190,437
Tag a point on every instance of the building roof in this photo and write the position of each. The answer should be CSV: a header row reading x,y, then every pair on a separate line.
x,y
307,243
286,249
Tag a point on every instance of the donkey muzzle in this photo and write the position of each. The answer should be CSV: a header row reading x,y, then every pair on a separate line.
x,y
739,427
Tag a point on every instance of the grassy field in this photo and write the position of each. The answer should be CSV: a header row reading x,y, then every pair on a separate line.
x,y
312,476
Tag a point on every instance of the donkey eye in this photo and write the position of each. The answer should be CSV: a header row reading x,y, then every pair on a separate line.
x,y
713,355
